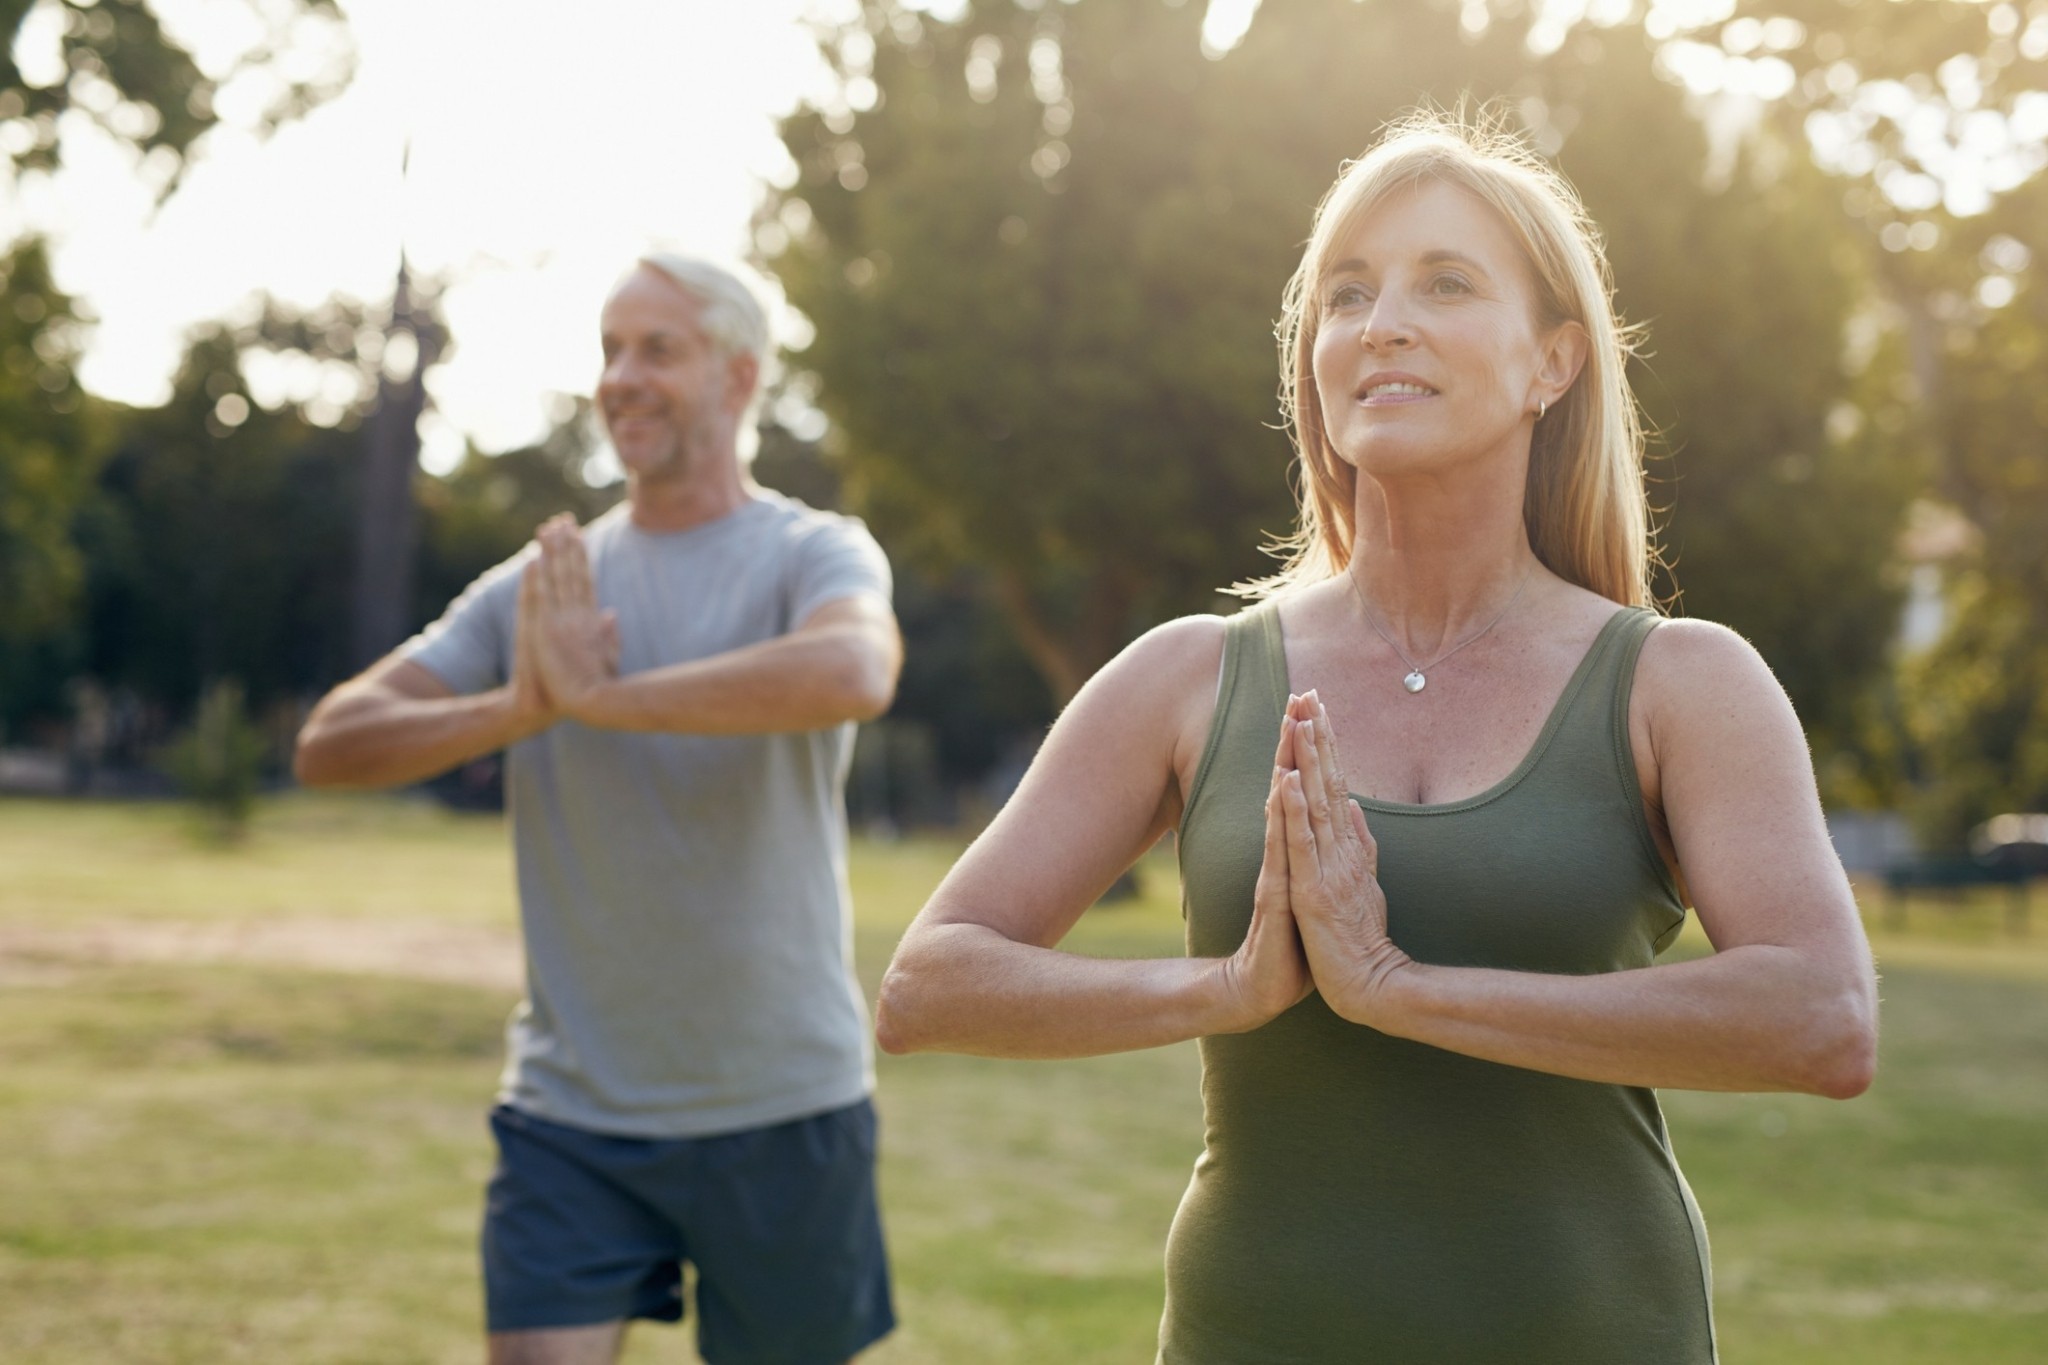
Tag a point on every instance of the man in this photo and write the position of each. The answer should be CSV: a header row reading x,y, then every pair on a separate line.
x,y
688,1078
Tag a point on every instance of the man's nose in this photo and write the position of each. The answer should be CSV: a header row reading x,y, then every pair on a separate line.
x,y
619,373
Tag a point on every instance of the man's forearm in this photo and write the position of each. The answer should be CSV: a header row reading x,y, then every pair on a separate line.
x,y
811,680
368,737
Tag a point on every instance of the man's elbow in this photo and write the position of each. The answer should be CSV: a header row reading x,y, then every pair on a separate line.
x,y
865,682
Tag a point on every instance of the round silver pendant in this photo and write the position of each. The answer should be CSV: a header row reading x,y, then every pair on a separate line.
x,y
1414,682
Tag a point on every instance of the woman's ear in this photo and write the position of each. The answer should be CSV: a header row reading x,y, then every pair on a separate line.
x,y
1564,355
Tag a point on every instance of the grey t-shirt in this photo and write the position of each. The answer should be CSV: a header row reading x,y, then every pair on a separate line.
x,y
688,929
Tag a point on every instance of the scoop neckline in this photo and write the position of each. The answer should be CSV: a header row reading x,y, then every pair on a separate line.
x,y
1551,723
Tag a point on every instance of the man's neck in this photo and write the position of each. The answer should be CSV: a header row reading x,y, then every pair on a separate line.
x,y
684,499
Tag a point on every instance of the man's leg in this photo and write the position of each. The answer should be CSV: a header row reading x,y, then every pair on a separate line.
x,y
570,1253
787,1240
595,1345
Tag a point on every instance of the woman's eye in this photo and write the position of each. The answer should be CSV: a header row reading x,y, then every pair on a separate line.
x,y
1451,284
1347,295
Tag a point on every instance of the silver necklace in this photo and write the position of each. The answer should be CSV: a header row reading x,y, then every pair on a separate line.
x,y
1416,681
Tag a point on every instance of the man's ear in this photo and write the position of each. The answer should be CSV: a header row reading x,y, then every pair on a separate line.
x,y
742,377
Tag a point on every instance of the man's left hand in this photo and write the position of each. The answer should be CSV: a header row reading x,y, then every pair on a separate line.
x,y
576,643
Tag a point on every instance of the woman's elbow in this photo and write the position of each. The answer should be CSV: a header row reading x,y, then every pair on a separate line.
x,y
312,761
895,1015
1845,1064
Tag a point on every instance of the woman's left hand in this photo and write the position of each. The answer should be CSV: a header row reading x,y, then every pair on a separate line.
x,y
1332,872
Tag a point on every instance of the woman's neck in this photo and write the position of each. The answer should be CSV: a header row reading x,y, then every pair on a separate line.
x,y
1434,560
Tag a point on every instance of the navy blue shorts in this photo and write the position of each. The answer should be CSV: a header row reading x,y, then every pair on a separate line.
x,y
780,1222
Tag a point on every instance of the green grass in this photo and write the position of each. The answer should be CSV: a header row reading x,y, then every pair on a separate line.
x,y
221,1163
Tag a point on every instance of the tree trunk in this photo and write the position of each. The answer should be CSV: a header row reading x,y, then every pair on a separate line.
x,y
387,526
1066,660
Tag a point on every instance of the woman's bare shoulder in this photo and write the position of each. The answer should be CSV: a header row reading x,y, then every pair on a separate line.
x,y
1700,678
1159,692
1167,659
1685,656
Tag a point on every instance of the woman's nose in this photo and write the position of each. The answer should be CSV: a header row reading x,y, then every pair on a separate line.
x,y
1387,325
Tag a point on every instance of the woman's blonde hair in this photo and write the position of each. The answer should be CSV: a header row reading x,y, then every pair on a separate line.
x,y
1584,505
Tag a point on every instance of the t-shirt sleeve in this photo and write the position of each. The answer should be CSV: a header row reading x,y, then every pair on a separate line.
x,y
470,647
838,559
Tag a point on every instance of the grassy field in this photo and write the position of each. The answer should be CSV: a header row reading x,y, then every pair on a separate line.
x,y
224,1161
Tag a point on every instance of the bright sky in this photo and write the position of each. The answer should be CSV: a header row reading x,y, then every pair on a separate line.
x,y
551,142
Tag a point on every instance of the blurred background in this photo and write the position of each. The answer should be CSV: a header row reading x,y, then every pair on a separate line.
x,y
298,331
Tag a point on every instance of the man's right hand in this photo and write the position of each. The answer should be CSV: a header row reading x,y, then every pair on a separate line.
x,y
533,710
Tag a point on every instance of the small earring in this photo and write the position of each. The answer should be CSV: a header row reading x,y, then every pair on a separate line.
x,y
1541,408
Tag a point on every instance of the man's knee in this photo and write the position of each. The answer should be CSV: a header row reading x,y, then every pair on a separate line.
x,y
597,1344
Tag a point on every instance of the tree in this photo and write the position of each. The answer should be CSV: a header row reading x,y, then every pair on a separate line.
x,y
113,61
387,522
1782,502
986,262
47,458
1921,112
220,542
1044,260
483,511
1976,703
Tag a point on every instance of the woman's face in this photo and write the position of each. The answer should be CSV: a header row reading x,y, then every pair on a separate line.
x,y
1429,354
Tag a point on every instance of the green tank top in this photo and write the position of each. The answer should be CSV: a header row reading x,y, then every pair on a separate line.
x,y
1366,1200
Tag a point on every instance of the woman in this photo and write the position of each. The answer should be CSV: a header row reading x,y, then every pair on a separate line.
x,y
1441,798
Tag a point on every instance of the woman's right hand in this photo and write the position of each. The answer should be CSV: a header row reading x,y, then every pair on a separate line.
x,y
1269,974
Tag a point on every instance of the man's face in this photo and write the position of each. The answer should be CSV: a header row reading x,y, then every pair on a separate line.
x,y
669,397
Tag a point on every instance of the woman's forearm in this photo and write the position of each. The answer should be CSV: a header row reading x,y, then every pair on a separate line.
x,y
1754,1017
966,988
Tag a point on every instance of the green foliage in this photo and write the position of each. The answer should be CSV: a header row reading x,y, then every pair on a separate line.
x,y
48,449
483,511
1028,351
1977,702
1990,401
1955,313
218,762
113,61
1977,712
964,677
1773,524
220,541
1044,302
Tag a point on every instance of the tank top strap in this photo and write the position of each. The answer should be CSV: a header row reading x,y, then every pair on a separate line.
x,y
1592,741
1592,716
1251,694
1626,648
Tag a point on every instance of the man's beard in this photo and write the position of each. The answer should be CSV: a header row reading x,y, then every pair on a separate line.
x,y
679,450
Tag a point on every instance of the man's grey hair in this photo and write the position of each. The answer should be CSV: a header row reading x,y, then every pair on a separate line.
x,y
729,309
